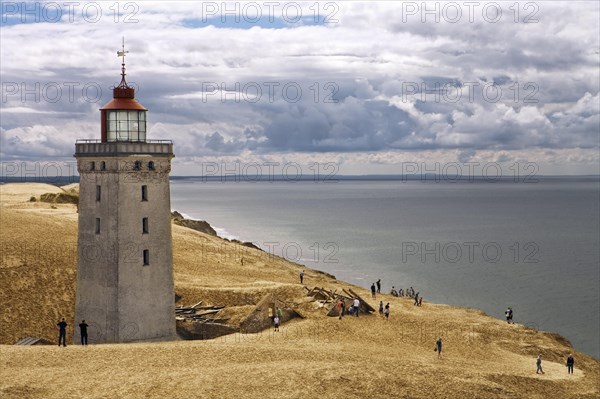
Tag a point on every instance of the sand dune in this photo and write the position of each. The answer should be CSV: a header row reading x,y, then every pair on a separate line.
x,y
365,357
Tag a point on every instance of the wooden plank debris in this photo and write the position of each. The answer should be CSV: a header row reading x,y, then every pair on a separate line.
x,y
325,296
362,301
191,312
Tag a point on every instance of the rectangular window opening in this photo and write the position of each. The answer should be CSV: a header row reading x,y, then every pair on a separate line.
x,y
144,193
146,257
98,193
97,225
145,226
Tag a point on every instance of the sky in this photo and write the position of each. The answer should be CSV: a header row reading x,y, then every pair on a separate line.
x,y
353,87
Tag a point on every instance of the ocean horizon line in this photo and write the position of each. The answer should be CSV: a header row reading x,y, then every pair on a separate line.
x,y
239,178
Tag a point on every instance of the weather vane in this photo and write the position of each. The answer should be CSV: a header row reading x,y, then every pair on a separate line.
x,y
122,54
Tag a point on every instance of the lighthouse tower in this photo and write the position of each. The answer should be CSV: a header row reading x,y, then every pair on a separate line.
x,y
124,267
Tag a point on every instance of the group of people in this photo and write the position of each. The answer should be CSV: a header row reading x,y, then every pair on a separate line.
x,y
376,290
62,332
409,293
384,311
418,300
570,364
352,310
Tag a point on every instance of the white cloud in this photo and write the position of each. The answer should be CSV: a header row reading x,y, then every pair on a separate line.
x,y
366,60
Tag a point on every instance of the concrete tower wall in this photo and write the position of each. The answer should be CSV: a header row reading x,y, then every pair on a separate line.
x,y
120,297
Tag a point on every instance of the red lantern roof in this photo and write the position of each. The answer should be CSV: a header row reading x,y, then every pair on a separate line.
x,y
123,104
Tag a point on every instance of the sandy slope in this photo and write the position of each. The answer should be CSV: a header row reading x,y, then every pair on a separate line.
x,y
365,357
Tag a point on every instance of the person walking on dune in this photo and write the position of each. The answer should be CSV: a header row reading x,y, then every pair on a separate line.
x,y
538,363
62,332
416,299
570,363
438,347
379,286
302,277
355,306
373,290
386,311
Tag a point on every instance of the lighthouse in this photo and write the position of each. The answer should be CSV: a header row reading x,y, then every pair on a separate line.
x,y
124,289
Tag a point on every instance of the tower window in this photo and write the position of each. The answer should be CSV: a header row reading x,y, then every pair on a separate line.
x,y
126,125
92,165
144,193
98,193
102,165
151,165
145,225
97,225
146,257
137,165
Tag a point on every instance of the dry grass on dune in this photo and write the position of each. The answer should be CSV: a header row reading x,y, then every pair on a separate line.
x,y
317,356
39,255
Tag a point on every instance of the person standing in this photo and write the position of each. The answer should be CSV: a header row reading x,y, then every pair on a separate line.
x,y
302,277
356,305
416,299
62,332
570,363
343,309
276,323
373,290
83,330
279,313
379,286
420,301
380,308
339,307
386,312
538,363
438,347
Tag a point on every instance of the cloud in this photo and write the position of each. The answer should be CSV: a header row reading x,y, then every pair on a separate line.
x,y
379,80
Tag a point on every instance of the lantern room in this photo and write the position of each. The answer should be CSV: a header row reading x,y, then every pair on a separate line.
x,y
123,118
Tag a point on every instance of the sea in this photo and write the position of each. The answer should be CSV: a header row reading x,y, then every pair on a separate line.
x,y
533,246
